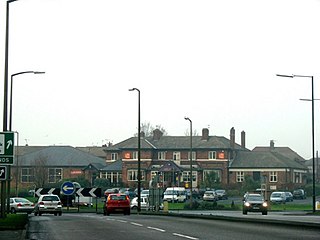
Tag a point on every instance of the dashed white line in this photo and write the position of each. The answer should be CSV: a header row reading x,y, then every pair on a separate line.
x,y
136,224
156,229
185,236
122,221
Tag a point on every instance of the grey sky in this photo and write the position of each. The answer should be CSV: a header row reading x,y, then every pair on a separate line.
x,y
213,61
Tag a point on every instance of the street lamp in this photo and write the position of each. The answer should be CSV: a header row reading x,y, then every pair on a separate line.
x,y
186,118
5,112
139,149
313,158
15,74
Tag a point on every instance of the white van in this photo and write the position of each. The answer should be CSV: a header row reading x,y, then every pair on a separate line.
x,y
175,194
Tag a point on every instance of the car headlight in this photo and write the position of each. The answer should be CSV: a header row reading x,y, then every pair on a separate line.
x,y
265,204
247,204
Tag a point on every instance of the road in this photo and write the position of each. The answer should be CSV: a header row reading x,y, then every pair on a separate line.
x,y
96,226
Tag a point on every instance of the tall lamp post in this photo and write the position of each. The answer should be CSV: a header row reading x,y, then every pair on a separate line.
x,y
139,149
11,87
5,111
313,158
188,119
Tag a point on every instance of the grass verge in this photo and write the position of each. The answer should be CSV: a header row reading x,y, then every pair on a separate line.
x,y
14,221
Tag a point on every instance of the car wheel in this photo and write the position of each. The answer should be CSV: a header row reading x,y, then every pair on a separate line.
x,y
36,213
60,213
245,212
55,214
40,213
264,213
13,210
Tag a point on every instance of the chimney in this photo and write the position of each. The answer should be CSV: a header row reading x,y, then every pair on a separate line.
x,y
232,138
142,134
157,134
271,144
243,139
205,134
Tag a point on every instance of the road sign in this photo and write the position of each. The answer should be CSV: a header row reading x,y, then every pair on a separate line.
x,y
3,173
6,147
42,191
89,192
67,188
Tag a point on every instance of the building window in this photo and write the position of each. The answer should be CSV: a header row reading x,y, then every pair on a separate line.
x,y
176,156
161,155
114,156
27,175
212,155
297,177
154,175
103,175
135,155
186,176
193,155
273,177
240,176
133,175
214,175
55,175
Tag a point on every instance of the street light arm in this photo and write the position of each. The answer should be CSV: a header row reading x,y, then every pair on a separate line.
x,y
283,75
24,72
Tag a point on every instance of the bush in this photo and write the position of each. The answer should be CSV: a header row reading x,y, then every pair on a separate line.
x,y
195,205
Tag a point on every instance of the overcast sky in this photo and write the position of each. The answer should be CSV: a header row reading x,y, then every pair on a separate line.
x,y
212,61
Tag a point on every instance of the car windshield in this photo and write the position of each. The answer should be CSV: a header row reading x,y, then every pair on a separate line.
x,y
50,198
22,200
145,192
171,192
118,197
254,198
209,193
276,195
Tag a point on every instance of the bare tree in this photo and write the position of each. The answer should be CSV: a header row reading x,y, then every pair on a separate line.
x,y
41,171
194,132
148,129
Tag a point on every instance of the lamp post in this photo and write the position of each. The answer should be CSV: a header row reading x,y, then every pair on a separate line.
x,y
139,150
5,111
188,119
11,87
313,158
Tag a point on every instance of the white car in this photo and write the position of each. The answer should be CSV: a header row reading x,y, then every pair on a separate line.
x,y
144,203
278,197
48,203
210,196
175,194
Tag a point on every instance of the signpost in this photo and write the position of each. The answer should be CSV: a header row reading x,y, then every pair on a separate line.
x,y
3,173
6,147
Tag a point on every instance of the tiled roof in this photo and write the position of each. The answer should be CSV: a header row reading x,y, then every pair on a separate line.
x,y
62,156
286,151
97,151
113,167
174,142
264,160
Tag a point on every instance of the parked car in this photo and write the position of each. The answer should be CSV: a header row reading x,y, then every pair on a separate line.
x,y
117,202
254,203
144,193
48,203
144,203
128,191
222,194
289,197
18,204
110,190
210,196
278,197
175,194
299,194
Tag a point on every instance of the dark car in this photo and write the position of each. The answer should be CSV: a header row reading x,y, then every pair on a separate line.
x,y
289,197
117,203
299,194
254,203
222,194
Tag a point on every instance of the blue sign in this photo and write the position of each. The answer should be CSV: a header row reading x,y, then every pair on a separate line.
x,y
68,188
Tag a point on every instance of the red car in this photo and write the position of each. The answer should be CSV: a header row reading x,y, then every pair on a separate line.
x,y
117,202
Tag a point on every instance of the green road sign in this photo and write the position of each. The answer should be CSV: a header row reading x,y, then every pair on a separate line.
x,y
6,147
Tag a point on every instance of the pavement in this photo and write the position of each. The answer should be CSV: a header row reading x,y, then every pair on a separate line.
x,y
288,218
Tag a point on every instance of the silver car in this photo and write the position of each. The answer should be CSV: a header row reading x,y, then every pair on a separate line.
x,y
18,204
210,196
48,204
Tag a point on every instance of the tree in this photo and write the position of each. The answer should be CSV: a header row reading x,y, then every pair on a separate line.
x,y
40,171
211,180
148,129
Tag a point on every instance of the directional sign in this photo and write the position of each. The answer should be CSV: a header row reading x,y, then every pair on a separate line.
x,y
89,192
67,188
6,147
42,191
3,173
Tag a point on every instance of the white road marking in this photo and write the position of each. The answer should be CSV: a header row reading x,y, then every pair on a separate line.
x,y
157,229
122,221
185,236
136,224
